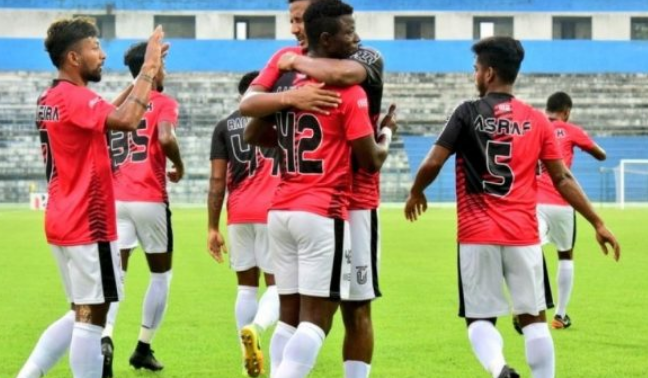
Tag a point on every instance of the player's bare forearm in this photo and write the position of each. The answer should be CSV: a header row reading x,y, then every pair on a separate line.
x,y
172,151
337,72
430,168
215,199
574,195
260,104
123,95
127,115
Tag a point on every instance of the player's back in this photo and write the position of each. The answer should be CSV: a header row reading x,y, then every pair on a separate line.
x,y
568,136
139,163
498,141
71,121
252,171
316,154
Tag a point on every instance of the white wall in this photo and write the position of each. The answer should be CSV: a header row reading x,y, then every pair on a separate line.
x,y
454,25
532,26
611,26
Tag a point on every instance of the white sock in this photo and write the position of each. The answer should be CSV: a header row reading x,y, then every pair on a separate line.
x,y
246,305
356,369
86,359
539,350
301,351
155,305
565,278
51,346
487,345
282,334
268,312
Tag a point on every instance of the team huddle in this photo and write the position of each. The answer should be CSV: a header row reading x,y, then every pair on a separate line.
x,y
299,161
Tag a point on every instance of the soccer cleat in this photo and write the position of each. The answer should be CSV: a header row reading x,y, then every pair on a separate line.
x,y
143,357
252,353
107,349
516,324
507,372
560,322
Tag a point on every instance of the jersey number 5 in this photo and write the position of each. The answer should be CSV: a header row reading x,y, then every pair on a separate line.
x,y
501,174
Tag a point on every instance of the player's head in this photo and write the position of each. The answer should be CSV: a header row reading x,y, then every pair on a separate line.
x,y
559,106
330,29
73,46
246,80
134,59
297,9
497,62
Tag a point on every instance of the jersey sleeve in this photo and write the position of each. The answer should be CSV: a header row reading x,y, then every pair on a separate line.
x,y
271,73
550,148
373,63
169,111
218,144
87,110
449,136
581,139
355,113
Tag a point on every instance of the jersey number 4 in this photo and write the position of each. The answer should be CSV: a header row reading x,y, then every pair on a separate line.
x,y
125,145
501,175
310,131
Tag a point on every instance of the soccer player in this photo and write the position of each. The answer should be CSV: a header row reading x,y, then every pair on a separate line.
x,y
307,221
251,175
143,215
80,222
498,140
556,218
364,67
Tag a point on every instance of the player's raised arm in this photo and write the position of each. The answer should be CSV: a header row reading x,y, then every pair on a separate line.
x,y
338,72
311,97
130,112
569,189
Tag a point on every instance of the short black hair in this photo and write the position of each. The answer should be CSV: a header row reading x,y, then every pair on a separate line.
x,y
322,16
134,57
559,102
63,34
246,80
503,54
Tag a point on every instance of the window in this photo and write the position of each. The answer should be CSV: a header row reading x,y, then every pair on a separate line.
x,y
105,23
254,27
414,27
572,28
492,26
177,26
639,28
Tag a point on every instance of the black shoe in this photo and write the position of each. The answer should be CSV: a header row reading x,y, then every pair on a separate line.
x,y
516,324
143,357
107,349
507,372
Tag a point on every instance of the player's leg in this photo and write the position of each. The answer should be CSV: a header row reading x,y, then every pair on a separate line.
x,y
55,340
126,242
155,235
268,311
283,249
528,284
324,264
358,345
482,300
564,237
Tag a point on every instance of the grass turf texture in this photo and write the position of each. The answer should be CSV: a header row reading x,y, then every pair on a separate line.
x,y
417,331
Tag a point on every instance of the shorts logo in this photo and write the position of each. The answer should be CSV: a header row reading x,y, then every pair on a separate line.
x,y
347,256
361,274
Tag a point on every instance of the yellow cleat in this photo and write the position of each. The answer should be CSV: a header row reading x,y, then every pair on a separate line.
x,y
252,353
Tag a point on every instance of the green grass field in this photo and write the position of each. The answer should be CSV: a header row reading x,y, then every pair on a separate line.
x,y
417,331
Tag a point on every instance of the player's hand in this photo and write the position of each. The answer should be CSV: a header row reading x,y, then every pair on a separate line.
x,y
415,206
311,97
286,61
155,51
389,120
176,173
216,245
605,237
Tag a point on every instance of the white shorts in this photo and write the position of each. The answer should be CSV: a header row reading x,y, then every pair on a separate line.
x,y
557,225
365,259
311,254
483,271
91,273
249,247
146,222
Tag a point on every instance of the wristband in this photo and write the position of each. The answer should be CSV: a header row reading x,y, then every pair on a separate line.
x,y
138,102
386,133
